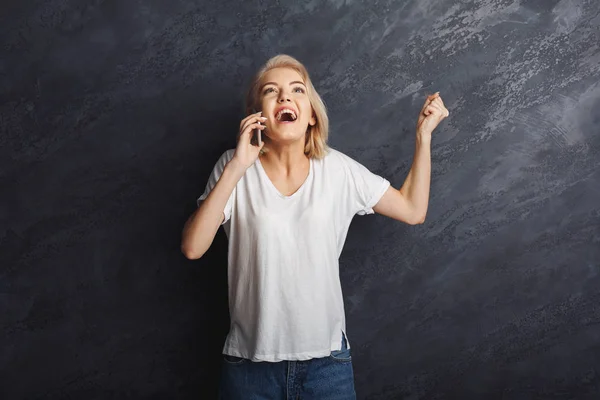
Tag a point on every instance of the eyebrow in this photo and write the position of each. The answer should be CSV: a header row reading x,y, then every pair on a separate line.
x,y
273,83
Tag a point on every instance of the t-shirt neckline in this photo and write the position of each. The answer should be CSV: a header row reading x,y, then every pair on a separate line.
x,y
270,183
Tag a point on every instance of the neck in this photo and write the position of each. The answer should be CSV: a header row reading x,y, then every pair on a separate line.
x,y
285,159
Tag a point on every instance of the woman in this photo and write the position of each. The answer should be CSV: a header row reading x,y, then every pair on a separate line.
x,y
286,202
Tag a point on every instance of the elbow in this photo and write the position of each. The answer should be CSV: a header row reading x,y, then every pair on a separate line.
x,y
417,220
419,216
190,253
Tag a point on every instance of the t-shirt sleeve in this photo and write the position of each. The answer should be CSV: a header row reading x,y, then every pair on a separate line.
x,y
212,182
363,187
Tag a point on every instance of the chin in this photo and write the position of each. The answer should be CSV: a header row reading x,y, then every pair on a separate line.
x,y
286,135
286,139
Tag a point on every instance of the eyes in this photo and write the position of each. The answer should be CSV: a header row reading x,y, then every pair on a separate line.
x,y
267,90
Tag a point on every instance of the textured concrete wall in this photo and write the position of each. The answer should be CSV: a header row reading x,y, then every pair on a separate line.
x,y
112,114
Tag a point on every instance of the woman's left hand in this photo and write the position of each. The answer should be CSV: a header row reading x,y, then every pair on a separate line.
x,y
432,113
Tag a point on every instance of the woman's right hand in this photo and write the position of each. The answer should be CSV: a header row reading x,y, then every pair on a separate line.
x,y
245,152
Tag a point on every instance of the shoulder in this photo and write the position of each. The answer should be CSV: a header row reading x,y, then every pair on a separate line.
x,y
228,154
340,165
222,161
340,159
335,156
225,157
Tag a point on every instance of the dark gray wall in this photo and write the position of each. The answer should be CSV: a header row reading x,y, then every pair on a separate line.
x,y
113,113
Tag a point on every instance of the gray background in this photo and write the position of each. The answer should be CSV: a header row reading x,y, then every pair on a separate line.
x,y
113,113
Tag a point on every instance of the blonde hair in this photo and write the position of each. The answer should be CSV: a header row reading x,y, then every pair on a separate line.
x,y
315,144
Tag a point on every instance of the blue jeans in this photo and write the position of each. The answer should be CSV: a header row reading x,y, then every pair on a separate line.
x,y
325,378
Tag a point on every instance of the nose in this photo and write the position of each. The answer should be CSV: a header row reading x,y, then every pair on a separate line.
x,y
283,97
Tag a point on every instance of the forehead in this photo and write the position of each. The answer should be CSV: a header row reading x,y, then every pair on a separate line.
x,y
282,75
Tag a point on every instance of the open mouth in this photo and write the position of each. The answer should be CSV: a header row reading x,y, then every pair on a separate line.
x,y
286,116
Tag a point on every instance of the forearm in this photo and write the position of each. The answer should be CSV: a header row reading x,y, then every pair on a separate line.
x,y
201,227
416,186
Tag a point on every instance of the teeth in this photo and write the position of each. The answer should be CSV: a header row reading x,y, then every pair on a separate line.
x,y
285,110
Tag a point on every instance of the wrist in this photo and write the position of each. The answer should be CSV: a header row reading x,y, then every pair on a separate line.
x,y
423,137
235,167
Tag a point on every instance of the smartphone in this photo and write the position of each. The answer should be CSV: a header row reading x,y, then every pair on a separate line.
x,y
256,139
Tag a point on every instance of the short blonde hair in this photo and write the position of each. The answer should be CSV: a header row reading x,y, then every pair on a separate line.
x,y
316,136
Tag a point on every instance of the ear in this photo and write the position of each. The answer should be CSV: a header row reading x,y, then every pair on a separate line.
x,y
313,120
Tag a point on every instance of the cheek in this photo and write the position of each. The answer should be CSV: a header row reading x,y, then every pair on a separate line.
x,y
307,111
264,103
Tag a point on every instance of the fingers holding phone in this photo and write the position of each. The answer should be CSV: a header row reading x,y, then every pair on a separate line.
x,y
246,153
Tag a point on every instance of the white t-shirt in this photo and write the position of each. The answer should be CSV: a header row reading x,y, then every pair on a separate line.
x,y
285,296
